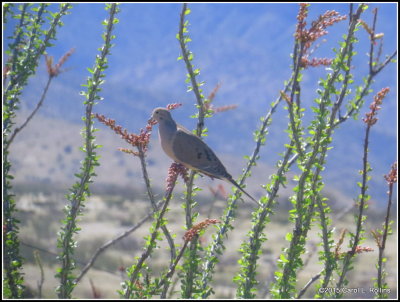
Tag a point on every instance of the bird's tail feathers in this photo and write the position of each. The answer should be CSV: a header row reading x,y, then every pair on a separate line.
x,y
238,186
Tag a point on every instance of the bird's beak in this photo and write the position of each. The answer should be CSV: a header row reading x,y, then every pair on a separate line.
x,y
152,121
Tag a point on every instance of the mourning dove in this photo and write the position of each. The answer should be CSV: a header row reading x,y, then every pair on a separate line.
x,y
188,149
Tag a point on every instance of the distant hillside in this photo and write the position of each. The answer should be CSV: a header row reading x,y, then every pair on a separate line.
x,y
246,48
46,155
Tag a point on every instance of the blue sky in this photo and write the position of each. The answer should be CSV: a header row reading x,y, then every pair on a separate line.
x,y
246,47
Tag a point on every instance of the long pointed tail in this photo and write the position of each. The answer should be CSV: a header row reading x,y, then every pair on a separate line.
x,y
231,180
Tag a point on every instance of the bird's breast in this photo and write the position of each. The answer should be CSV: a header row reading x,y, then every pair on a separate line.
x,y
167,147
167,135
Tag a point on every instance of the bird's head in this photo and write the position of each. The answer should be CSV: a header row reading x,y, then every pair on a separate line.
x,y
160,114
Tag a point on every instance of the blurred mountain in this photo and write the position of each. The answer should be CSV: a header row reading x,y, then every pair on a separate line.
x,y
45,156
245,47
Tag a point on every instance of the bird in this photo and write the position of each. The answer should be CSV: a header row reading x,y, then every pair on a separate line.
x,y
184,147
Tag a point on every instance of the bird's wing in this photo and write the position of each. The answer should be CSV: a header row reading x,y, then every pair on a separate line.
x,y
190,150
